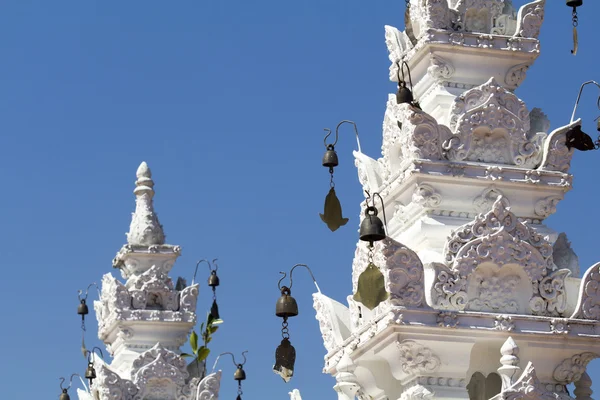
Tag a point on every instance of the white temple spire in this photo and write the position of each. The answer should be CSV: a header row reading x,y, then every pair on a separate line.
x,y
145,229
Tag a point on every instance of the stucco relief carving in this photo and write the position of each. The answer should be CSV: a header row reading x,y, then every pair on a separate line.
x,y
588,303
546,206
417,392
145,228
416,359
426,196
160,364
484,202
571,369
403,272
208,388
556,155
490,124
109,385
528,387
410,133
516,75
498,264
440,69
530,19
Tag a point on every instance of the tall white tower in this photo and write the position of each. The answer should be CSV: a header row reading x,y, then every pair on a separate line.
x,y
484,299
145,321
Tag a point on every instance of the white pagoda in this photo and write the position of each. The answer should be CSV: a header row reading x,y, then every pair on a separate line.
x,y
485,301
146,320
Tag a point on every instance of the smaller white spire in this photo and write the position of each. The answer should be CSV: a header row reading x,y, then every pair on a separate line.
x,y
510,370
145,229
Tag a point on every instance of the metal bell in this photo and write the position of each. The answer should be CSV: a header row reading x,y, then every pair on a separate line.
x,y
213,279
579,140
574,3
90,372
82,309
404,95
286,305
371,227
239,374
330,159
64,395
285,358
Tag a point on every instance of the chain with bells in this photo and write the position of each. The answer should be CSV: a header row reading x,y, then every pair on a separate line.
x,y
370,290
332,213
578,139
213,282
83,310
64,395
239,375
574,4
286,307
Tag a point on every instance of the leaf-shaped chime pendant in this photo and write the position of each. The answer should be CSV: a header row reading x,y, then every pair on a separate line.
x,y
371,287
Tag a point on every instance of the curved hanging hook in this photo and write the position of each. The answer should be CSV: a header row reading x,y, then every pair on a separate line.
x,y
309,271
382,207
232,358
337,135
401,69
579,97
196,270
62,380
90,353
80,292
282,278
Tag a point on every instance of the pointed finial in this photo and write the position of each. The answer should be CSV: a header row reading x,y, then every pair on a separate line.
x,y
145,229
510,370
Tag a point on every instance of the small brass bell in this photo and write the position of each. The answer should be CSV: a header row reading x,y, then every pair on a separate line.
x,y
213,279
90,372
404,95
574,3
330,159
64,395
579,140
285,358
239,374
286,305
82,309
371,227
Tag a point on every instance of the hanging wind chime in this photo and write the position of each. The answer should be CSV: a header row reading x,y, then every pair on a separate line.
x,y
370,290
404,94
576,138
574,4
332,213
213,282
239,374
64,395
286,307
83,310
90,372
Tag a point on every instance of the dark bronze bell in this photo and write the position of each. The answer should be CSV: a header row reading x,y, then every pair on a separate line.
x,y
213,279
579,140
404,94
90,372
64,395
330,159
239,374
82,309
286,305
285,358
371,227
239,397
214,310
574,3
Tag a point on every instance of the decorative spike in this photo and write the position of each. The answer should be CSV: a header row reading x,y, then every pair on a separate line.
x,y
145,229
510,370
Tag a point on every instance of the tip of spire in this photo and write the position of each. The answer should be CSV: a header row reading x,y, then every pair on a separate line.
x,y
143,171
145,228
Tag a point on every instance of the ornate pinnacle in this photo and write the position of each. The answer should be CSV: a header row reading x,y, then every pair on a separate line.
x,y
145,229
509,371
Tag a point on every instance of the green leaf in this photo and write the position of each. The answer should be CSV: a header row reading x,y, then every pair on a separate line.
x,y
207,340
203,353
194,342
213,329
186,355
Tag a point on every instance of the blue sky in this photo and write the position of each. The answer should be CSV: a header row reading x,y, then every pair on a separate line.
x,y
227,102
